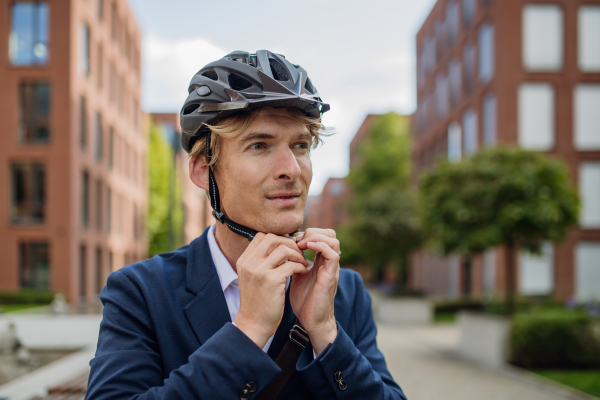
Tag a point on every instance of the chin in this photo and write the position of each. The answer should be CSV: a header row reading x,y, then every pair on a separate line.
x,y
281,224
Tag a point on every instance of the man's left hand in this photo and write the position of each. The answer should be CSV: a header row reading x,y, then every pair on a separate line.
x,y
312,294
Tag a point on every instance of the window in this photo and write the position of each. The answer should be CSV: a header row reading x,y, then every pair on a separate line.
x,y
112,83
489,120
100,65
587,271
536,116
85,199
83,135
99,272
429,53
489,272
111,147
469,67
468,12
454,76
589,38
536,273
542,37
589,191
84,50
470,127
440,38
441,89
486,53
28,40
454,142
109,201
100,10
99,205
34,265
99,138
34,124
452,21
28,193
82,272
586,104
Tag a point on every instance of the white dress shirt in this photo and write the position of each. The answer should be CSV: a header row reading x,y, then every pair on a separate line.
x,y
229,279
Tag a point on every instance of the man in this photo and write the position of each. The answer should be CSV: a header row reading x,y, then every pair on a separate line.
x,y
209,320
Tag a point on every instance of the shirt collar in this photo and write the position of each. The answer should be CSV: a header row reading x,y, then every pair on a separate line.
x,y
226,273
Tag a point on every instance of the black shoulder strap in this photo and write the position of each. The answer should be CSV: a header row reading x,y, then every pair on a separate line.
x,y
286,360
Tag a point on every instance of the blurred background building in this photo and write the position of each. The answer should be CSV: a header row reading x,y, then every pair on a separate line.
x,y
73,154
516,72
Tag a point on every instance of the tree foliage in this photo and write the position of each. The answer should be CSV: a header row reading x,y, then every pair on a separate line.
x,y
498,196
382,227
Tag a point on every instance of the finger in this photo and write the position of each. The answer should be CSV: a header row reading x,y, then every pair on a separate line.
x,y
317,231
325,250
282,254
331,242
271,242
299,236
290,268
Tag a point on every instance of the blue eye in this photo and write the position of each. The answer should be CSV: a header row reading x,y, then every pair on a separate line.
x,y
302,145
257,146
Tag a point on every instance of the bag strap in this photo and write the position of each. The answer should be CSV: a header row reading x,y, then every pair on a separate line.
x,y
286,360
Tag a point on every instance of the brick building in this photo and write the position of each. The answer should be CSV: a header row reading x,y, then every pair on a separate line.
x,y
522,72
73,154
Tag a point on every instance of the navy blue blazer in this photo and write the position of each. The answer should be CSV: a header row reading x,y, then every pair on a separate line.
x,y
167,334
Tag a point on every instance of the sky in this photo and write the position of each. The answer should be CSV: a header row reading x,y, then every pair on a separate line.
x,y
359,55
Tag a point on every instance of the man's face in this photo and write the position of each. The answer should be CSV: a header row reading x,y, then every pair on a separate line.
x,y
265,172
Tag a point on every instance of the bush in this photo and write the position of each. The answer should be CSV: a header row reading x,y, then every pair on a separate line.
x,y
555,339
26,297
454,306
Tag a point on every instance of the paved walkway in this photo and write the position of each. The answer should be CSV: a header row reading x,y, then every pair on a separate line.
x,y
423,362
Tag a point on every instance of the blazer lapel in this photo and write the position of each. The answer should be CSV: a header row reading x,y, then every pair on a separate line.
x,y
207,312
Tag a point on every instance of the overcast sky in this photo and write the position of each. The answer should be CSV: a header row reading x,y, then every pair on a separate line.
x,y
359,55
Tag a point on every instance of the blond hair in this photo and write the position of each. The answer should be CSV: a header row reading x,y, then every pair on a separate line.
x,y
231,127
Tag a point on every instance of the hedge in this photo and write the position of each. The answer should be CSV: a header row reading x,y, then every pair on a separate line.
x,y
555,339
26,297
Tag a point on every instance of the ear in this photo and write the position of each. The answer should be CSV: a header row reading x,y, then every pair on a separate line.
x,y
199,172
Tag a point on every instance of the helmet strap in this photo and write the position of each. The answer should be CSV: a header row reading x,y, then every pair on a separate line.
x,y
215,200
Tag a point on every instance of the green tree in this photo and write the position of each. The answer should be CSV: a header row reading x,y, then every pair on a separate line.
x,y
500,196
382,227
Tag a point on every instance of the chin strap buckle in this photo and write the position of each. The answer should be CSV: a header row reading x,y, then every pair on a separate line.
x,y
219,216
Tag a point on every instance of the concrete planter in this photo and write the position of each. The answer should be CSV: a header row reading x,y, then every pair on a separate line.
x,y
404,311
483,338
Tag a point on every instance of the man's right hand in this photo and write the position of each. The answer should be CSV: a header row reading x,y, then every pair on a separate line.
x,y
262,273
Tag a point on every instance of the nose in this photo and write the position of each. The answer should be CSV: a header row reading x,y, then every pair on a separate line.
x,y
286,165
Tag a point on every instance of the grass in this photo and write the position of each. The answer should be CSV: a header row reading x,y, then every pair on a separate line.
x,y
445,318
588,381
9,308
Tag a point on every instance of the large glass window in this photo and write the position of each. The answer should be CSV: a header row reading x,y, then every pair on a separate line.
x,y
441,89
111,147
99,271
99,205
489,120
587,271
536,116
84,49
468,67
85,199
83,133
454,142
455,78
452,17
109,207
82,272
34,265
429,53
99,137
586,116
28,193
34,124
100,68
469,11
470,132
489,272
589,38
486,52
28,41
536,272
589,192
542,37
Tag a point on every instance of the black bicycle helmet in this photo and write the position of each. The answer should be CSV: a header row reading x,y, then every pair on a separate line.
x,y
242,81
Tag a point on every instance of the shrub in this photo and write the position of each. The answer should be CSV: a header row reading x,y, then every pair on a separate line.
x,y
454,306
555,339
27,296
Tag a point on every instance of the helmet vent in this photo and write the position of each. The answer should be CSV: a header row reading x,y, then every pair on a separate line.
x,y
309,86
278,70
210,75
190,109
237,82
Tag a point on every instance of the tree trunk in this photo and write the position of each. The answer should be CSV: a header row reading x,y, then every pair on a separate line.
x,y
510,278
